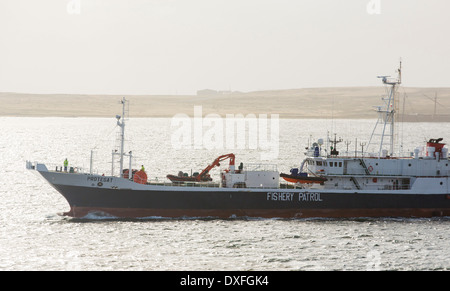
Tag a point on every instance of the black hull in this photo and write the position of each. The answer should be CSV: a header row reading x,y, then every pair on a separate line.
x,y
269,203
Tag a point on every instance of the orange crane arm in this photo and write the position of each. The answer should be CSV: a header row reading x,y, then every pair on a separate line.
x,y
216,163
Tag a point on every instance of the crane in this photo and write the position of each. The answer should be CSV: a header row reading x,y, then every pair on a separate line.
x,y
204,175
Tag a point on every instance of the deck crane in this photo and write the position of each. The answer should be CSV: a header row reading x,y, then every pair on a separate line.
x,y
204,175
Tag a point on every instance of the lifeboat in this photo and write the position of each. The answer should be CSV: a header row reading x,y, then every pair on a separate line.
x,y
183,178
302,179
204,175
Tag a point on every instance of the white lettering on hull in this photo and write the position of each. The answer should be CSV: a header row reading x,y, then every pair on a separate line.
x,y
280,196
313,196
99,179
288,196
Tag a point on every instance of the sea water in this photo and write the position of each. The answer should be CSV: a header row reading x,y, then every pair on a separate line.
x,y
34,236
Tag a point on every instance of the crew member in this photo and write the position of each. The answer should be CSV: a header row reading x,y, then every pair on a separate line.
x,y
142,168
66,163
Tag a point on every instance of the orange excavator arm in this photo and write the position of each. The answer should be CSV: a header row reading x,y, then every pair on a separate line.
x,y
216,163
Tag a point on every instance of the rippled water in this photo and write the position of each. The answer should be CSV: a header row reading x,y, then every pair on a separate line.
x,y
34,237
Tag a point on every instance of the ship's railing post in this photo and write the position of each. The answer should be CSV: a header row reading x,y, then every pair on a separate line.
x,y
130,171
90,164
112,163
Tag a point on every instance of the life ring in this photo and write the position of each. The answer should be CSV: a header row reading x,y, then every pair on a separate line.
x,y
370,168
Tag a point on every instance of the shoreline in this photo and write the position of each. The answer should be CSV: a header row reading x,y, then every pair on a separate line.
x,y
408,120
308,103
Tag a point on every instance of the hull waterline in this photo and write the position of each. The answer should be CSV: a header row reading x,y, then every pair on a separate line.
x,y
82,212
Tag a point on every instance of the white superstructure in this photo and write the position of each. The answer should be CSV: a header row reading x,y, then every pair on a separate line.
x,y
426,170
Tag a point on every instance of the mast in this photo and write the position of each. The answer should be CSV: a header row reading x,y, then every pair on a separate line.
x,y
121,124
122,135
393,104
387,113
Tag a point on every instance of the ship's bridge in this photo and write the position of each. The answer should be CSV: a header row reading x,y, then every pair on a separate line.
x,y
321,166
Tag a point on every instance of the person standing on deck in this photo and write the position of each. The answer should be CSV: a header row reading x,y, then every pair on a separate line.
x,y
66,163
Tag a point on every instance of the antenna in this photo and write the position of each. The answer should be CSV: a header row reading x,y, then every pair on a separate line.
x,y
347,143
334,142
387,112
362,144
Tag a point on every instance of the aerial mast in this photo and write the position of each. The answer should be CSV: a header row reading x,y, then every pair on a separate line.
x,y
122,135
387,114
392,107
121,124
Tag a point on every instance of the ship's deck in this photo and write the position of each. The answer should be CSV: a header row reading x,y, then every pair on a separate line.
x,y
213,185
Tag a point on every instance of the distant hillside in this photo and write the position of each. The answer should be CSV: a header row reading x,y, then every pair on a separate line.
x,y
342,102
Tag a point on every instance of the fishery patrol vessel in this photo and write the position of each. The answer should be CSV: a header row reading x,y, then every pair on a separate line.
x,y
329,185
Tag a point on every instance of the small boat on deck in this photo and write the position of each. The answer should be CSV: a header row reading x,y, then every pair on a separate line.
x,y
204,175
302,178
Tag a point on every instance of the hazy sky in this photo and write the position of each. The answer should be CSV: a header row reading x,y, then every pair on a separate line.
x,y
180,46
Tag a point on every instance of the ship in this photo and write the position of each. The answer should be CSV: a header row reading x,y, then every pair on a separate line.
x,y
327,184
